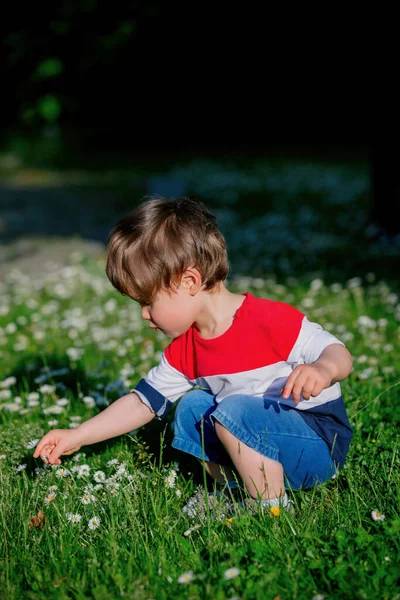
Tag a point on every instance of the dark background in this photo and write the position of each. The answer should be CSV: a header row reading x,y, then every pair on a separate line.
x,y
139,86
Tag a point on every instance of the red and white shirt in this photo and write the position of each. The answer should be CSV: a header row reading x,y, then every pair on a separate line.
x,y
255,356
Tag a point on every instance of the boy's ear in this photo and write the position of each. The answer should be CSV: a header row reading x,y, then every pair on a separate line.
x,y
191,280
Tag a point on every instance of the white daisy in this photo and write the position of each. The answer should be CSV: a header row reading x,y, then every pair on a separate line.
x,y
89,401
62,473
190,530
32,444
88,499
84,471
377,515
231,573
186,577
20,467
75,518
99,476
47,389
50,497
62,402
94,523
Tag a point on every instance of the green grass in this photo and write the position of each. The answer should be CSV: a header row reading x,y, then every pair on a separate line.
x,y
331,546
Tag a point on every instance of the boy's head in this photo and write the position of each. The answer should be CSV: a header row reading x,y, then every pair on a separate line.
x,y
149,249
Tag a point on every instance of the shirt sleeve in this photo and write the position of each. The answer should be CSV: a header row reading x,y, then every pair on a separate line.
x,y
310,343
162,386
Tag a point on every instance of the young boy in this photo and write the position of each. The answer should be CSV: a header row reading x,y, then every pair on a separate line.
x,y
267,404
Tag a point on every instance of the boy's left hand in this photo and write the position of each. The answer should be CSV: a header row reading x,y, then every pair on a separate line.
x,y
306,381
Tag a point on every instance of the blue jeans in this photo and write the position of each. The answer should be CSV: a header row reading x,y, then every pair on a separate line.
x,y
271,429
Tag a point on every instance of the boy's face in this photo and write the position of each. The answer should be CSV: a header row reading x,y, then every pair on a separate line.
x,y
173,312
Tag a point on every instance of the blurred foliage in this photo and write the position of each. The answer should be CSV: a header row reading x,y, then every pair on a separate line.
x,y
62,57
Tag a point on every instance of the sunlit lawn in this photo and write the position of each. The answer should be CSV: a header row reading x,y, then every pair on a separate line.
x,y
107,523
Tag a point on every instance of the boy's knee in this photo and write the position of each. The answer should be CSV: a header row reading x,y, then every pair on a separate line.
x,y
191,407
235,406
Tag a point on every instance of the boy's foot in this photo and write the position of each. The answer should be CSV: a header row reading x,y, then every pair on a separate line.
x,y
273,509
221,502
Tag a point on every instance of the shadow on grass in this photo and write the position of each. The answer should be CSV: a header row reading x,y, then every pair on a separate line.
x,y
74,382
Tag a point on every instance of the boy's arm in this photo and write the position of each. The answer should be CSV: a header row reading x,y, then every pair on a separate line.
x,y
124,415
306,380
337,360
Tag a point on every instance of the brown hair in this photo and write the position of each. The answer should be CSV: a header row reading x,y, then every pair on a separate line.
x,y
151,247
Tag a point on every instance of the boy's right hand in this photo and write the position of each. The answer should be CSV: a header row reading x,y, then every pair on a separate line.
x,y
57,442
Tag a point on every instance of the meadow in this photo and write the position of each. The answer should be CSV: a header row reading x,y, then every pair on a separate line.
x,y
108,523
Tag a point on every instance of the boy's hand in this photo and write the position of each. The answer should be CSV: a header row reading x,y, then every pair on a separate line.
x,y
306,381
57,442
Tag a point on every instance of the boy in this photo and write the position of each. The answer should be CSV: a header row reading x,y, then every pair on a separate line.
x,y
270,406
